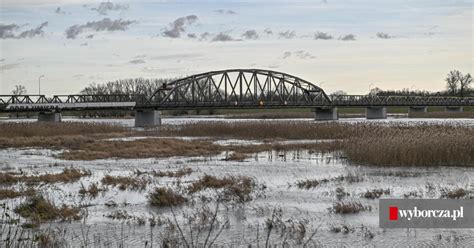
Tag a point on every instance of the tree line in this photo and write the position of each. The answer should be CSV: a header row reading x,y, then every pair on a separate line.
x,y
457,84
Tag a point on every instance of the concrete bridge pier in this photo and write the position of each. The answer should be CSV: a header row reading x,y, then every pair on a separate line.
x,y
453,109
376,113
325,114
418,109
147,118
49,117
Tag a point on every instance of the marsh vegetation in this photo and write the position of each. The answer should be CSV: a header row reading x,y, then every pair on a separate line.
x,y
273,183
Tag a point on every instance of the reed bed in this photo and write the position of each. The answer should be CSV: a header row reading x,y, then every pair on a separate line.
x,y
263,130
371,144
413,146
145,148
362,143
42,129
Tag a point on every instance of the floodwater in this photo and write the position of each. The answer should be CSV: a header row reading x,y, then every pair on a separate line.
x,y
279,172
393,120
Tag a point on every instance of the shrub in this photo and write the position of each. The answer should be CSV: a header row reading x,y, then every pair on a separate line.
x,y
165,197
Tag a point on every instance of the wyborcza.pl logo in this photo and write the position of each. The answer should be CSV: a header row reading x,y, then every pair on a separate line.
x,y
410,214
426,213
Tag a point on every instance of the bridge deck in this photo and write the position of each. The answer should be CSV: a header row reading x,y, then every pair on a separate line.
x,y
37,103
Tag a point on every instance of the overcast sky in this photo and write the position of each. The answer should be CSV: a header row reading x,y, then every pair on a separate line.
x,y
347,44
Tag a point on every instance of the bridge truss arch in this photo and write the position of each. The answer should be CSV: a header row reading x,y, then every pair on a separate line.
x,y
238,88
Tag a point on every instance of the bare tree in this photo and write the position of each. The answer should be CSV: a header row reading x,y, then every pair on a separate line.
x,y
465,84
19,90
339,93
452,81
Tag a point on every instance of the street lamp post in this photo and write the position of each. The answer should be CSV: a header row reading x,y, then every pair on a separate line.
x,y
39,84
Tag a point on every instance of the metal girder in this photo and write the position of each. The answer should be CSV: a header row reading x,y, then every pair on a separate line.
x,y
372,100
238,87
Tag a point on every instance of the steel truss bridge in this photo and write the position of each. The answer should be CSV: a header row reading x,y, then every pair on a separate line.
x,y
235,88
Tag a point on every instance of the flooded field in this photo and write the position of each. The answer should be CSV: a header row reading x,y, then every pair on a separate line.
x,y
290,198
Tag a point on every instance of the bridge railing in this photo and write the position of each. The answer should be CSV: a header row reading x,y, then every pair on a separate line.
x,y
98,98
373,100
230,104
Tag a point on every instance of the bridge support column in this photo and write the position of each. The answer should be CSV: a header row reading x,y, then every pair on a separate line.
x,y
49,117
453,109
147,118
325,114
376,113
417,109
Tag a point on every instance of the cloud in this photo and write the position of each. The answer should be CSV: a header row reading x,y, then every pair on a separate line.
x,y
384,36
84,44
205,35
250,35
8,66
137,61
192,36
105,7
103,25
225,12
7,31
178,26
222,37
348,37
176,56
298,54
304,55
268,31
287,34
59,11
322,36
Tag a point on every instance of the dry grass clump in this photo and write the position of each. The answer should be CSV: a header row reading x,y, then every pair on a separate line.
x,y
454,194
44,129
10,193
165,197
349,207
264,130
144,148
68,175
39,209
93,190
413,146
237,188
312,183
375,193
124,183
343,228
